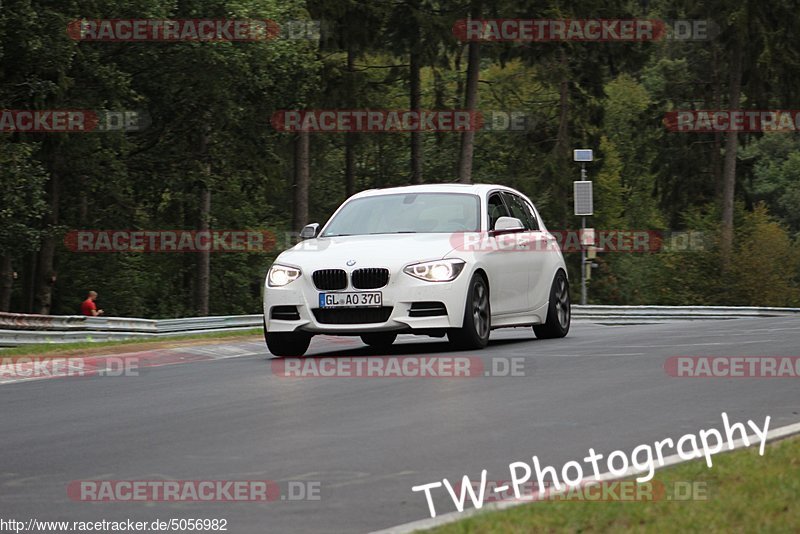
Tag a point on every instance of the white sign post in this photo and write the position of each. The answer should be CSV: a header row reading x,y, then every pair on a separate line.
x,y
584,205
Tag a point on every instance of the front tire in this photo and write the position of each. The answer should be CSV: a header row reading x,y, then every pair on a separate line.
x,y
379,340
474,334
287,343
559,310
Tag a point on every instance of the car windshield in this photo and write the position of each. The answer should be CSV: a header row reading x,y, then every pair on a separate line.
x,y
407,213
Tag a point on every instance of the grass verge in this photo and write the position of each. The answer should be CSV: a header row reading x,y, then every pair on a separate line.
x,y
745,492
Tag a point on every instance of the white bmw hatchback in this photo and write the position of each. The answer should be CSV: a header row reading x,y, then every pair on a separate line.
x,y
445,259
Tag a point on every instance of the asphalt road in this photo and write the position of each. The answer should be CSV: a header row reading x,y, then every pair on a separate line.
x,y
366,441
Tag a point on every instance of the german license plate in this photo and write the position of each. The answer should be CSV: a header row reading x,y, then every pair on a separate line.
x,y
351,300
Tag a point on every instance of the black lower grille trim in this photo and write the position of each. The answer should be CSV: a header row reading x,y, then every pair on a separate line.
x,y
427,309
352,315
284,313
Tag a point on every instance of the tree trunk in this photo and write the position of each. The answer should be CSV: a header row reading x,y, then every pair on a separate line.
x,y
729,165
416,104
6,283
45,278
83,207
349,164
301,181
439,90
716,149
350,137
45,272
562,182
203,287
562,139
470,102
457,68
29,282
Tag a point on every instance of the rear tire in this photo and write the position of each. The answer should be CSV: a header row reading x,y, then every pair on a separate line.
x,y
559,310
477,317
287,343
379,340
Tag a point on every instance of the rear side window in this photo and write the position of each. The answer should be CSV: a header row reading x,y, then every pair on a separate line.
x,y
521,210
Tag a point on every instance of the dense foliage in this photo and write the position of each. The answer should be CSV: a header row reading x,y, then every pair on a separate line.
x,y
210,158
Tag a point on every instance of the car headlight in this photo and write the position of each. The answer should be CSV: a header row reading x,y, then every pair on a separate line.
x,y
280,275
436,271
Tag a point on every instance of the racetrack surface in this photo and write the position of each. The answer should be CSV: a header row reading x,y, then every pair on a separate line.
x,y
367,441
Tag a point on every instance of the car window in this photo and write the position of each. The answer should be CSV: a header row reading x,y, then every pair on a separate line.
x,y
496,209
521,210
532,214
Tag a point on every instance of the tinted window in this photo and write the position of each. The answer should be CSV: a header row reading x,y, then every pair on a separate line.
x,y
521,210
532,212
496,209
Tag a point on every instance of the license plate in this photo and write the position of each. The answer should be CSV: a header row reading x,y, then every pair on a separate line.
x,y
351,300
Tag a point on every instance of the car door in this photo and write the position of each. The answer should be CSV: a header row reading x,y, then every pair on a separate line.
x,y
506,262
539,244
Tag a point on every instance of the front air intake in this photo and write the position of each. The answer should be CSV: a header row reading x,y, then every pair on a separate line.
x,y
352,315
427,309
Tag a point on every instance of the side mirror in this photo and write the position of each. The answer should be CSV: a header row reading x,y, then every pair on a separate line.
x,y
508,225
309,231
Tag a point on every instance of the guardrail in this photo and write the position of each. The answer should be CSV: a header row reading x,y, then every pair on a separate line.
x,y
684,313
26,329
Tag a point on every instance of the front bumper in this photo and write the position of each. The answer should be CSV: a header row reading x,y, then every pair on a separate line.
x,y
399,294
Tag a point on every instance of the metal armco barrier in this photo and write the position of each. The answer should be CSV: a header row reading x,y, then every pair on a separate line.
x,y
26,329
662,313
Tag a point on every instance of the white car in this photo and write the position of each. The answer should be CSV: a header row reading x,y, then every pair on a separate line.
x,y
444,259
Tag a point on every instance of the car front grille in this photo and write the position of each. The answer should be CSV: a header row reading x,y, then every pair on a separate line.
x,y
330,279
371,278
352,315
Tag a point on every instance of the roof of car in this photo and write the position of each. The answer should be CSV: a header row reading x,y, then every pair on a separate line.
x,y
434,188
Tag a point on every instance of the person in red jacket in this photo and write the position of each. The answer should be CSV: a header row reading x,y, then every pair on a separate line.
x,y
88,307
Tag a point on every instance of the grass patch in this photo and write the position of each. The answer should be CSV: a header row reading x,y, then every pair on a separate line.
x,y
89,348
745,493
